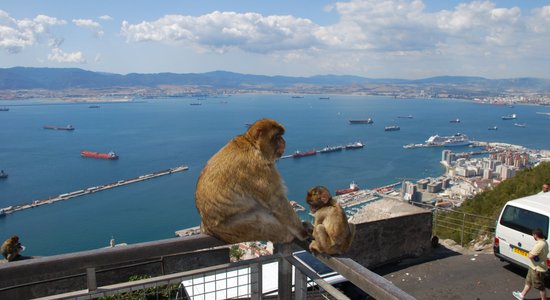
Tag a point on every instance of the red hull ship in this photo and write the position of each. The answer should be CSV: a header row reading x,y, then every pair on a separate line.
x,y
302,154
110,155
353,187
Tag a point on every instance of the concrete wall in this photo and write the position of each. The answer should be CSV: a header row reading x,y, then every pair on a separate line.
x,y
389,240
57,274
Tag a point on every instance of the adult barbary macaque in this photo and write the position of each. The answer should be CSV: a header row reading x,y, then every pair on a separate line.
x,y
332,233
240,194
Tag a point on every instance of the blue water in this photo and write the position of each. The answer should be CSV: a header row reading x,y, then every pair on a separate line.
x,y
160,134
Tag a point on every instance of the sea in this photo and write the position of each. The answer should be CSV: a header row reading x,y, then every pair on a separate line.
x,y
150,135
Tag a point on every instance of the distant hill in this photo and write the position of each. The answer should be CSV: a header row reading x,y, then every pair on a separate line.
x,y
64,78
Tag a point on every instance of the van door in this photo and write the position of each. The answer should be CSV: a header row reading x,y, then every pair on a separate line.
x,y
514,231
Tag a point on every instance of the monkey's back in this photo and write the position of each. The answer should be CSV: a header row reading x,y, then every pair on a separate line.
x,y
335,223
236,182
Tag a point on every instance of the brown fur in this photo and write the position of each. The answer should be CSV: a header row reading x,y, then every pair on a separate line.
x,y
11,248
332,233
240,194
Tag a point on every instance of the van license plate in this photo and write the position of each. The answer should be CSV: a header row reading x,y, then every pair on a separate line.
x,y
519,251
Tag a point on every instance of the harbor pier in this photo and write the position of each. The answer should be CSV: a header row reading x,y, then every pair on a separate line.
x,y
78,193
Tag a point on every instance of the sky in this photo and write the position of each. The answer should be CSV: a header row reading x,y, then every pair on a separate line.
x,y
409,39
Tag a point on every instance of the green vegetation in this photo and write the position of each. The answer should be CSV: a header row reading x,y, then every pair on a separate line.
x,y
477,216
236,253
158,293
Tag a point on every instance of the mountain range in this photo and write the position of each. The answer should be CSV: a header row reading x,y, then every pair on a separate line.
x,y
66,78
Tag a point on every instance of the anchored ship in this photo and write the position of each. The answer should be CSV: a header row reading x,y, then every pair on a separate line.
x,y
353,187
110,155
355,145
405,117
331,149
298,154
509,117
68,127
361,121
3,174
392,128
456,140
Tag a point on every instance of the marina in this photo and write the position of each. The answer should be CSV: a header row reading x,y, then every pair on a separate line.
x,y
67,196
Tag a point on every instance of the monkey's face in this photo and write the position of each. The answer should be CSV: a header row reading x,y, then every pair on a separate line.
x,y
317,197
279,144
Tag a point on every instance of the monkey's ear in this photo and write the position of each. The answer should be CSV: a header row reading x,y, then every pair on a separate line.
x,y
257,134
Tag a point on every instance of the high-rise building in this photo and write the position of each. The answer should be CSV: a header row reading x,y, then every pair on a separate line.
x,y
445,155
487,174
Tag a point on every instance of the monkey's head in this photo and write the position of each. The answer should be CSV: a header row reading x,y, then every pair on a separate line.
x,y
317,197
267,135
14,240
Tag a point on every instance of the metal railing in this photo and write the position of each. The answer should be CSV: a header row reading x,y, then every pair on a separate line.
x,y
306,283
466,226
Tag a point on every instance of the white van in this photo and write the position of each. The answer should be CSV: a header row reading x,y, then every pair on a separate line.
x,y
518,218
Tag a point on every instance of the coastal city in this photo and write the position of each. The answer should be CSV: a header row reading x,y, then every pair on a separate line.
x,y
466,174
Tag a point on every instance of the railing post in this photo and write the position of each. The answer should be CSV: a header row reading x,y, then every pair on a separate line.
x,y
300,286
91,280
435,222
285,272
462,231
256,281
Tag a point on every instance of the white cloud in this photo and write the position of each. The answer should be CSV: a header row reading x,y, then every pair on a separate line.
x,y
105,17
540,23
16,35
393,27
58,55
221,31
91,25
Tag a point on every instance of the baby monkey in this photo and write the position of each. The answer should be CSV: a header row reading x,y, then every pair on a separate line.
x,y
332,233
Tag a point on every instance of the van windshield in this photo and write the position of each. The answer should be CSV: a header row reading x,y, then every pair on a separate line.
x,y
524,220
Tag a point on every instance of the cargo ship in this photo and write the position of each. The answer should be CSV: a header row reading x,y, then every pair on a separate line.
x,y
392,128
68,127
298,154
353,187
4,109
405,117
361,121
509,117
110,155
457,120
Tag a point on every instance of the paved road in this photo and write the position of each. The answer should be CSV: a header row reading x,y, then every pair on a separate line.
x,y
446,274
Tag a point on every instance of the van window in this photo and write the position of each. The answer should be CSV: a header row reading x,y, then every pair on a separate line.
x,y
524,220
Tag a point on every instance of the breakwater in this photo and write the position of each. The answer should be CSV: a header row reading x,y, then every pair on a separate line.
x,y
94,189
